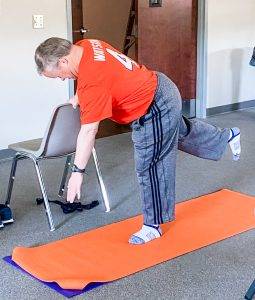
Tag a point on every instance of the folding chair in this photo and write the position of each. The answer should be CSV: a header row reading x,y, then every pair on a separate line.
x,y
59,140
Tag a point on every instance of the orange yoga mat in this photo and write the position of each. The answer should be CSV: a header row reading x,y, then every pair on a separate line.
x,y
103,254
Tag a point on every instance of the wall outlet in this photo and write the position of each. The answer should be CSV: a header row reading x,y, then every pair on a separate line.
x,y
38,21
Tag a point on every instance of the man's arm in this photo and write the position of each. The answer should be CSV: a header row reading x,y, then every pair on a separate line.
x,y
85,144
74,101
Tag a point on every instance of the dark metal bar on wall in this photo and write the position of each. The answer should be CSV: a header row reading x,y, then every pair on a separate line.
x,y
189,108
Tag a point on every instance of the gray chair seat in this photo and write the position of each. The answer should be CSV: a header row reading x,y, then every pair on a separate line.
x,y
31,147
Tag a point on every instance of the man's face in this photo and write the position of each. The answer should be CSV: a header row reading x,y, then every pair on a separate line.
x,y
62,71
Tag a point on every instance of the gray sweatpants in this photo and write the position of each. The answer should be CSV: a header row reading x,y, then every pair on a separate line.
x,y
156,137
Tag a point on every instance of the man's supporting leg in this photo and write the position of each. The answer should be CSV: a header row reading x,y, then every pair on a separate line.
x,y
155,166
155,146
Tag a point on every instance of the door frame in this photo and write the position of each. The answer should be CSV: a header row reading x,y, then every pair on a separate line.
x,y
202,56
70,38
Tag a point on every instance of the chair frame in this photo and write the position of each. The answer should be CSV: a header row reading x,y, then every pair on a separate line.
x,y
251,292
44,148
21,156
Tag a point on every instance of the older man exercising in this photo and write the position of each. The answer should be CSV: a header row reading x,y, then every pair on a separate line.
x,y
111,85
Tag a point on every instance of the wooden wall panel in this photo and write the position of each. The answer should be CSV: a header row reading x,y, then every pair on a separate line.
x,y
167,41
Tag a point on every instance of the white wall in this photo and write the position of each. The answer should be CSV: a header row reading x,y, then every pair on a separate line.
x,y
231,38
26,99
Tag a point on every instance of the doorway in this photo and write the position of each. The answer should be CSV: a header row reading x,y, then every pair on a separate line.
x,y
163,38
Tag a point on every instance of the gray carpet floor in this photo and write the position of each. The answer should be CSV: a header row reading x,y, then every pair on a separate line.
x,y
220,271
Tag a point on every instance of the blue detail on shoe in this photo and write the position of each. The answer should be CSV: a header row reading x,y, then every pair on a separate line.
x,y
136,240
235,131
6,214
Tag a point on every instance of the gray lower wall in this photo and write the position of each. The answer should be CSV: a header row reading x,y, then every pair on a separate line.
x,y
229,107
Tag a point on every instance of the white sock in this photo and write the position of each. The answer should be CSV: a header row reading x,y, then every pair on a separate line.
x,y
146,234
235,142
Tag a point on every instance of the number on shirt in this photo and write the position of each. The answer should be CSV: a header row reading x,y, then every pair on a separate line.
x,y
127,62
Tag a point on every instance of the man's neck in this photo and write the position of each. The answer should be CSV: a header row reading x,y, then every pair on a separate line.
x,y
75,58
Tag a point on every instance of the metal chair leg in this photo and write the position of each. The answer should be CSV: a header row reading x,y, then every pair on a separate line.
x,y
44,194
251,292
64,176
101,182
11,179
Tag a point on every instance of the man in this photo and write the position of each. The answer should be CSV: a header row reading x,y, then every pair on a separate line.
x,y
111,85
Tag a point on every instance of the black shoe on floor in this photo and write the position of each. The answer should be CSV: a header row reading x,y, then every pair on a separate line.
x,y
5,214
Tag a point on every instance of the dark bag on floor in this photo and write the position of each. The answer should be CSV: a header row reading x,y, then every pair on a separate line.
x,y
68,207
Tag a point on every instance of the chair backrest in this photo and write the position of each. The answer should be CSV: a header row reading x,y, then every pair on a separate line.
x,y
61,135
252,61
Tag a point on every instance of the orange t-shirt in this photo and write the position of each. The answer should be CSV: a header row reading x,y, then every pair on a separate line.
x,y
111,85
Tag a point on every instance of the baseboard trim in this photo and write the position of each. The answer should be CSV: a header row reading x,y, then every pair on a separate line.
x,y
229,107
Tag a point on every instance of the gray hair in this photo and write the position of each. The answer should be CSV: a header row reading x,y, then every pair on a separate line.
x,y
50,51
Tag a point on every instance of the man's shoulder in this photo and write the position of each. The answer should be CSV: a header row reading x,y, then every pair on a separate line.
x,y
81,42
90,40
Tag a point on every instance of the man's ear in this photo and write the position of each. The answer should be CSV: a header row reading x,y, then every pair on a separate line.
x,y
63,61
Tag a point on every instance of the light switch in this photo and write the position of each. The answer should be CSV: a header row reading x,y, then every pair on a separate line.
x,y
38,21
155,3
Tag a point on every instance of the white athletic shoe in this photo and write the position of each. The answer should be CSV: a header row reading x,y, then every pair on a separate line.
x,y
146,234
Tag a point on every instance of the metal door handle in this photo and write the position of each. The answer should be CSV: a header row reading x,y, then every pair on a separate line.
x,y
82,30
